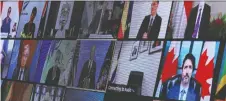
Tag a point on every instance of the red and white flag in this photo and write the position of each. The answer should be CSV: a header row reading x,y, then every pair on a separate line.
x,y
205,69
171,61
170,64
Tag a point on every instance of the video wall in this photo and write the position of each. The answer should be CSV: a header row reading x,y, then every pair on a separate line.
x,y
113,50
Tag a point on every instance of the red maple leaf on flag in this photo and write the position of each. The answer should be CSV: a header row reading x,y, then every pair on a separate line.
x,y
170,66
204,72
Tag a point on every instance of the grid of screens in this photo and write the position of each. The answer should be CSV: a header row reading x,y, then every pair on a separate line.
x,y
113,50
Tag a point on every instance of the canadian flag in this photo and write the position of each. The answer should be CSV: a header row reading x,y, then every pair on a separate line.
x,y
170,65
205,69
171,61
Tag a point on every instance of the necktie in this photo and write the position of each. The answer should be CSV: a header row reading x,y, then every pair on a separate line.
x,y
90,65
20,74
182,93
54,73
150,25
197,24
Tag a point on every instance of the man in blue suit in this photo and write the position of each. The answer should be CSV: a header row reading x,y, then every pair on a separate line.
x,y
6,22
183,86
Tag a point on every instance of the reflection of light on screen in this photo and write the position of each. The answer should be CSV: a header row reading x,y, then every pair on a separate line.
x,y
1,44
196,51
10,44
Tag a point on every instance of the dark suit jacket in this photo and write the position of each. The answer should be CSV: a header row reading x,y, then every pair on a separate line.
x,y
49,77
85,73
29,28
171,89
17,71
154,33
204,24
95,22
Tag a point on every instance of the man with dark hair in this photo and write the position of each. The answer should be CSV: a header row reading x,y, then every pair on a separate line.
x,y
22,72
29,28
183,86
6,22
151,24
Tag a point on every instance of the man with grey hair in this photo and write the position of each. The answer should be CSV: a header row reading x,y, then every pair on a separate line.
x,y
87,77
53,75
64,15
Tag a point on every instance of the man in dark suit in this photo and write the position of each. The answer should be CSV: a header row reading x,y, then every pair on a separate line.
x,y
22,72
151,24
29,27
198,22
6,22
93,27
183,86
87,77
53,75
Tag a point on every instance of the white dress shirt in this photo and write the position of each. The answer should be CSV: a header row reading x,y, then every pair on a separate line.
x,y
21,74
60,33
185,94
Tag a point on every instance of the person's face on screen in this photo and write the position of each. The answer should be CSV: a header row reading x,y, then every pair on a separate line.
x,y
33,14
32,17
25,55
187,71
154,7
64,15
9,11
